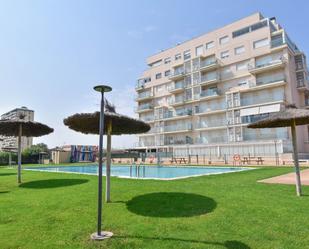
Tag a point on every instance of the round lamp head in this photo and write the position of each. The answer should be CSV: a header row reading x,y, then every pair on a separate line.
x,y
102,88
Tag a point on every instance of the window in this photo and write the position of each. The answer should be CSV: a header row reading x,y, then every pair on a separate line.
x,y
155,64
167,73
148,79
242,66
224,54
158,76
250,28
177,57
199,50
210,45
239,50
224,39
167,60
261,43
187,55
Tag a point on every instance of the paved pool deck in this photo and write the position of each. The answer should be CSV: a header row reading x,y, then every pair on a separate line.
x,y
289,178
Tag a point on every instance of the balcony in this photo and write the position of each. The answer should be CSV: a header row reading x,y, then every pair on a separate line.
x,y
147,119
177,87
212,140
178,141
144,108
179,114
209,79
270,81
210,93
184,127
177,101
265,67
177,74
208,65
144,96
212,123
302,84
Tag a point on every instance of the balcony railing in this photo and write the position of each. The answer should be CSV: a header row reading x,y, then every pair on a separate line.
x,y
178,141
177,114
269,64
270,80
144,107
210,92
210,140
177,86
144,95
208,63
211,107
209,78
211,123
178,127
177,73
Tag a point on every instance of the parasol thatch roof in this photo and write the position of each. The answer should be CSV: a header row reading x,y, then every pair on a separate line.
x,y
88,123
29,128
283,118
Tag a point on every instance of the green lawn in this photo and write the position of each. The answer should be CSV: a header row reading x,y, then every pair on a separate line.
x,y
54,210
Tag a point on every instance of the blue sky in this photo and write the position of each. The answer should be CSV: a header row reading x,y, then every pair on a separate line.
x,y
53,52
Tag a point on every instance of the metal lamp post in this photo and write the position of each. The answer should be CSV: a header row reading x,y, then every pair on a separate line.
x,y
100,235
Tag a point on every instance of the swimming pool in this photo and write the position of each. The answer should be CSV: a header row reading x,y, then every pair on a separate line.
x,y
143,172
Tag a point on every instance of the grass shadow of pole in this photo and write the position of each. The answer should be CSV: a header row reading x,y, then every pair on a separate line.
x,y
52,183
171,204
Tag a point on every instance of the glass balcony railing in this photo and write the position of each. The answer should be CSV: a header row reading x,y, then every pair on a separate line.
x,y
143,95
144,107
177,72
210,92
266,64
178,127
176,140
147,119
210,139
209,77
259,99
177,86
212,123
281,134
270,80
208,63
211,107
140,83
178,113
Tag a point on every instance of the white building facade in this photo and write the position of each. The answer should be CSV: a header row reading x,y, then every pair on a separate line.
x,y
199,96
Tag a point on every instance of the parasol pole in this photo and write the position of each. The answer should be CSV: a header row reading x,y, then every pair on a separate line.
x,y
296,163
108,161
19,154
100,235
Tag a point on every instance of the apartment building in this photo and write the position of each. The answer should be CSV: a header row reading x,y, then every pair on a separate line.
x,y
17,114
200,95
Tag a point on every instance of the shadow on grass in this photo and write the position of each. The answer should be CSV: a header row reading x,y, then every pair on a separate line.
x,y
4,192
52,183
229,244
7,174
171,204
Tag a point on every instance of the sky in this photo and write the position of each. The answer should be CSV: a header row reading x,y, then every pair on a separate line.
x,y
53,52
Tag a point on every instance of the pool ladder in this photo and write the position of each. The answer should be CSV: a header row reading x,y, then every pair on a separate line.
x,y
138,168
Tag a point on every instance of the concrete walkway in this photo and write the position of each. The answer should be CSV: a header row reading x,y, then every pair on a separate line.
x,y
289,178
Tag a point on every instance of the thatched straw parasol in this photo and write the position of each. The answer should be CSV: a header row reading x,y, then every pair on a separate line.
x,y
88,123
19,128
288,117
106,122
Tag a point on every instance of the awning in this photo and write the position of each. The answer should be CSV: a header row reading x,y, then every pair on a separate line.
x,y
259,110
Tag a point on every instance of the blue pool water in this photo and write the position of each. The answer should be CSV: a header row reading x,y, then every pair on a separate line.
x,y
146,172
